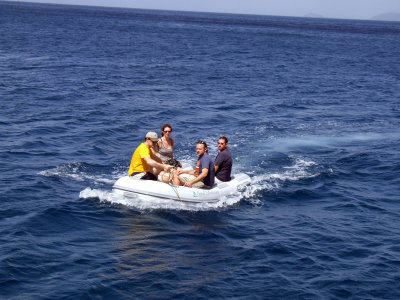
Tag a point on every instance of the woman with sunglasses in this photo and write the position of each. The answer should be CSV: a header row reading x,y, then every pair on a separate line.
x,y
166,143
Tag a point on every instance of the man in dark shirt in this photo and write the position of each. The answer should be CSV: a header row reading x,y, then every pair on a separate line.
x,y
223,161
203,175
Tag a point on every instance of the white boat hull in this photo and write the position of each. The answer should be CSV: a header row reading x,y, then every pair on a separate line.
x,y
129,185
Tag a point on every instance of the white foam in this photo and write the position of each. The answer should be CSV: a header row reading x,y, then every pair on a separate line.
x,y
262,180
75,172
283,144
299,170
143,202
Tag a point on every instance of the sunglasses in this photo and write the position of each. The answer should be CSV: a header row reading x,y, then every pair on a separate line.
x,y
167,131
221,143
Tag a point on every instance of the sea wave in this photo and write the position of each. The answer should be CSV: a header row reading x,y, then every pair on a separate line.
x,y
80,172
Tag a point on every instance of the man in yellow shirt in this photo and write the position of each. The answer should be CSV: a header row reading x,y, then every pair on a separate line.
x,y
144,162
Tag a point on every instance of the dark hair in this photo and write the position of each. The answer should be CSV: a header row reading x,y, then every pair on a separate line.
x,y
224,138
173,162
163,127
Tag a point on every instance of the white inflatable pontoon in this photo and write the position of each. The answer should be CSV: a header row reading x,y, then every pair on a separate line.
x,y
130,184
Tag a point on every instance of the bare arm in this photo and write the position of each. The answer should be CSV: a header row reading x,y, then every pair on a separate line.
x,y
157,159
152,163
202,175
172,145
154,152
216,168
180,171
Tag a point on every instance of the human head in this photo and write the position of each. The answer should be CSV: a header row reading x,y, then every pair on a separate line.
x,y
173,162
222,143
166,129
152,137
201,148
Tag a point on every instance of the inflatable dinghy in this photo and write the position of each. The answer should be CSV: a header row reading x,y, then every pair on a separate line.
x,y
130,185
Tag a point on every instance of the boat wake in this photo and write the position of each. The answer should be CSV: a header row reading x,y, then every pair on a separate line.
x,y
298,169
145,202
261,181
79,171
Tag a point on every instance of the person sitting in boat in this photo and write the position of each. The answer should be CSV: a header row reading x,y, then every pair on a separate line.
x,y
223,161
204,173
168,176
165,145
144,162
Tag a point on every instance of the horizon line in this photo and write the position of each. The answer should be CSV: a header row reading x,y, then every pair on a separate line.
x,y
307,16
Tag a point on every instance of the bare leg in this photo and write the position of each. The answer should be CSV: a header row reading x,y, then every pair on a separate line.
x,y
176,180
164,177
161,176
156,170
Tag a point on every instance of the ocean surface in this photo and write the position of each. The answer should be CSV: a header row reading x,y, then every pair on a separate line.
x,y
311,108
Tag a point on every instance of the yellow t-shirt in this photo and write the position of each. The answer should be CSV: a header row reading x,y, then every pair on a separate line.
x,y
138,163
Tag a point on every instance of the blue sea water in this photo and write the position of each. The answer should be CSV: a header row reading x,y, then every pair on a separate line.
x,y
311,108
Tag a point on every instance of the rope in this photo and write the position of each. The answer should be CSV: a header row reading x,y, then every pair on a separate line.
x,y
173,186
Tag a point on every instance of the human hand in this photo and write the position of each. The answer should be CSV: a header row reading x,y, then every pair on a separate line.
x,y
167,168
188,184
